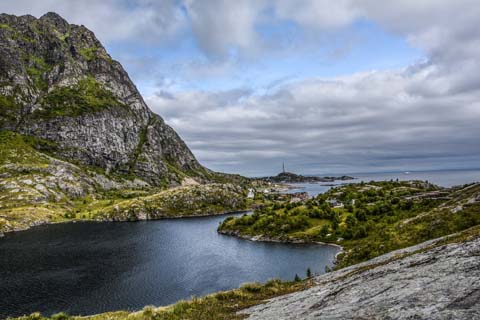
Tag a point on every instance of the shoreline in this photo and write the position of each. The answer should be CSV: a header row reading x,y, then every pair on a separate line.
x,y
44,223
262,238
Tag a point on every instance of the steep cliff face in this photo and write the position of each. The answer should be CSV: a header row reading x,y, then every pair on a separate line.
x,y
58,83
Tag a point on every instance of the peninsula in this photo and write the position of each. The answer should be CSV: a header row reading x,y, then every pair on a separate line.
x,y
289,177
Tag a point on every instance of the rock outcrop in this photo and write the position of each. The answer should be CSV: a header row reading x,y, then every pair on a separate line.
x,y
57,82
428,281
36,188
188,201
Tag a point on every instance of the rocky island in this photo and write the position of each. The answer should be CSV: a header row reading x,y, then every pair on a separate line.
x,y
289,177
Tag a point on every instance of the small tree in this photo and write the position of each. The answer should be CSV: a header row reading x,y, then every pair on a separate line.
x,y
297,278
61,316
324,231
361,215
309,273
351,221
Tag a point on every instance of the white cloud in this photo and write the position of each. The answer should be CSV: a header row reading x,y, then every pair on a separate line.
x,y
351,121
221,26
318,14
424,115
224,28
111,20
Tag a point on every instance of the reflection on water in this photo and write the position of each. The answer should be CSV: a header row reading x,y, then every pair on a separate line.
x,y
87,268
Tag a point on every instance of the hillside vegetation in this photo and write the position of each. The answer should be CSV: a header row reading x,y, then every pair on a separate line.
x,y
375,218
37,188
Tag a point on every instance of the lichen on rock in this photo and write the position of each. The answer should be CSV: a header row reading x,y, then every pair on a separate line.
x,y
431,280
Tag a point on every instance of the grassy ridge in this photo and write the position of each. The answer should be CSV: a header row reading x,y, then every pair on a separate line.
x,y
20,200
183,201
385,216
36,188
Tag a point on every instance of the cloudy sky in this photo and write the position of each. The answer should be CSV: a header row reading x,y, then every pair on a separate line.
x,y
326,86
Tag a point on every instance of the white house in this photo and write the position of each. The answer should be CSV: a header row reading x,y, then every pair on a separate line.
x,y
251,194
335,203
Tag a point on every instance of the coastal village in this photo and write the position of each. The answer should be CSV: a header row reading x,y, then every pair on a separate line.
x,y
280,191
278,187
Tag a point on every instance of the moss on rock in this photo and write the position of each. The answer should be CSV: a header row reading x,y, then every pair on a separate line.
x,y
87,96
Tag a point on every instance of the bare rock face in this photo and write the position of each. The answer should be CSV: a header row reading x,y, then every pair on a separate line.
x,y
57,82
438,283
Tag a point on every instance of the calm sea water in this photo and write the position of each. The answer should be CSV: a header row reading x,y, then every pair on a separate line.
x,y
444,178
87,268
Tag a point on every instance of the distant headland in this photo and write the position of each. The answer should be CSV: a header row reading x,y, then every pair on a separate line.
x,y
289,177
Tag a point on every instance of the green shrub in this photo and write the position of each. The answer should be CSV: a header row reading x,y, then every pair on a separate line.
x,y
251,287
88,53
10,107
148,312
61,316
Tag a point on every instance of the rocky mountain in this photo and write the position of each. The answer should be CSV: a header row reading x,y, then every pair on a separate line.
x,y
76,137
58,83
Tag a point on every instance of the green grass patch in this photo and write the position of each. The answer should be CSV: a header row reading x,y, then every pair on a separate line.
x,y
89,53
63,37
36,70
218,306
87,96
18,149
9,109
6,26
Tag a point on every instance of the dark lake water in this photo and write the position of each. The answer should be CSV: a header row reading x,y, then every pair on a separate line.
x,y
87,268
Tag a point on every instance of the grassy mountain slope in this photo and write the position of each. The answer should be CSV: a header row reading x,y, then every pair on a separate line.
x,y
37,188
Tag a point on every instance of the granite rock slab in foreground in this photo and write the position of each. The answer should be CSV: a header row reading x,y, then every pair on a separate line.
x,y
437,283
